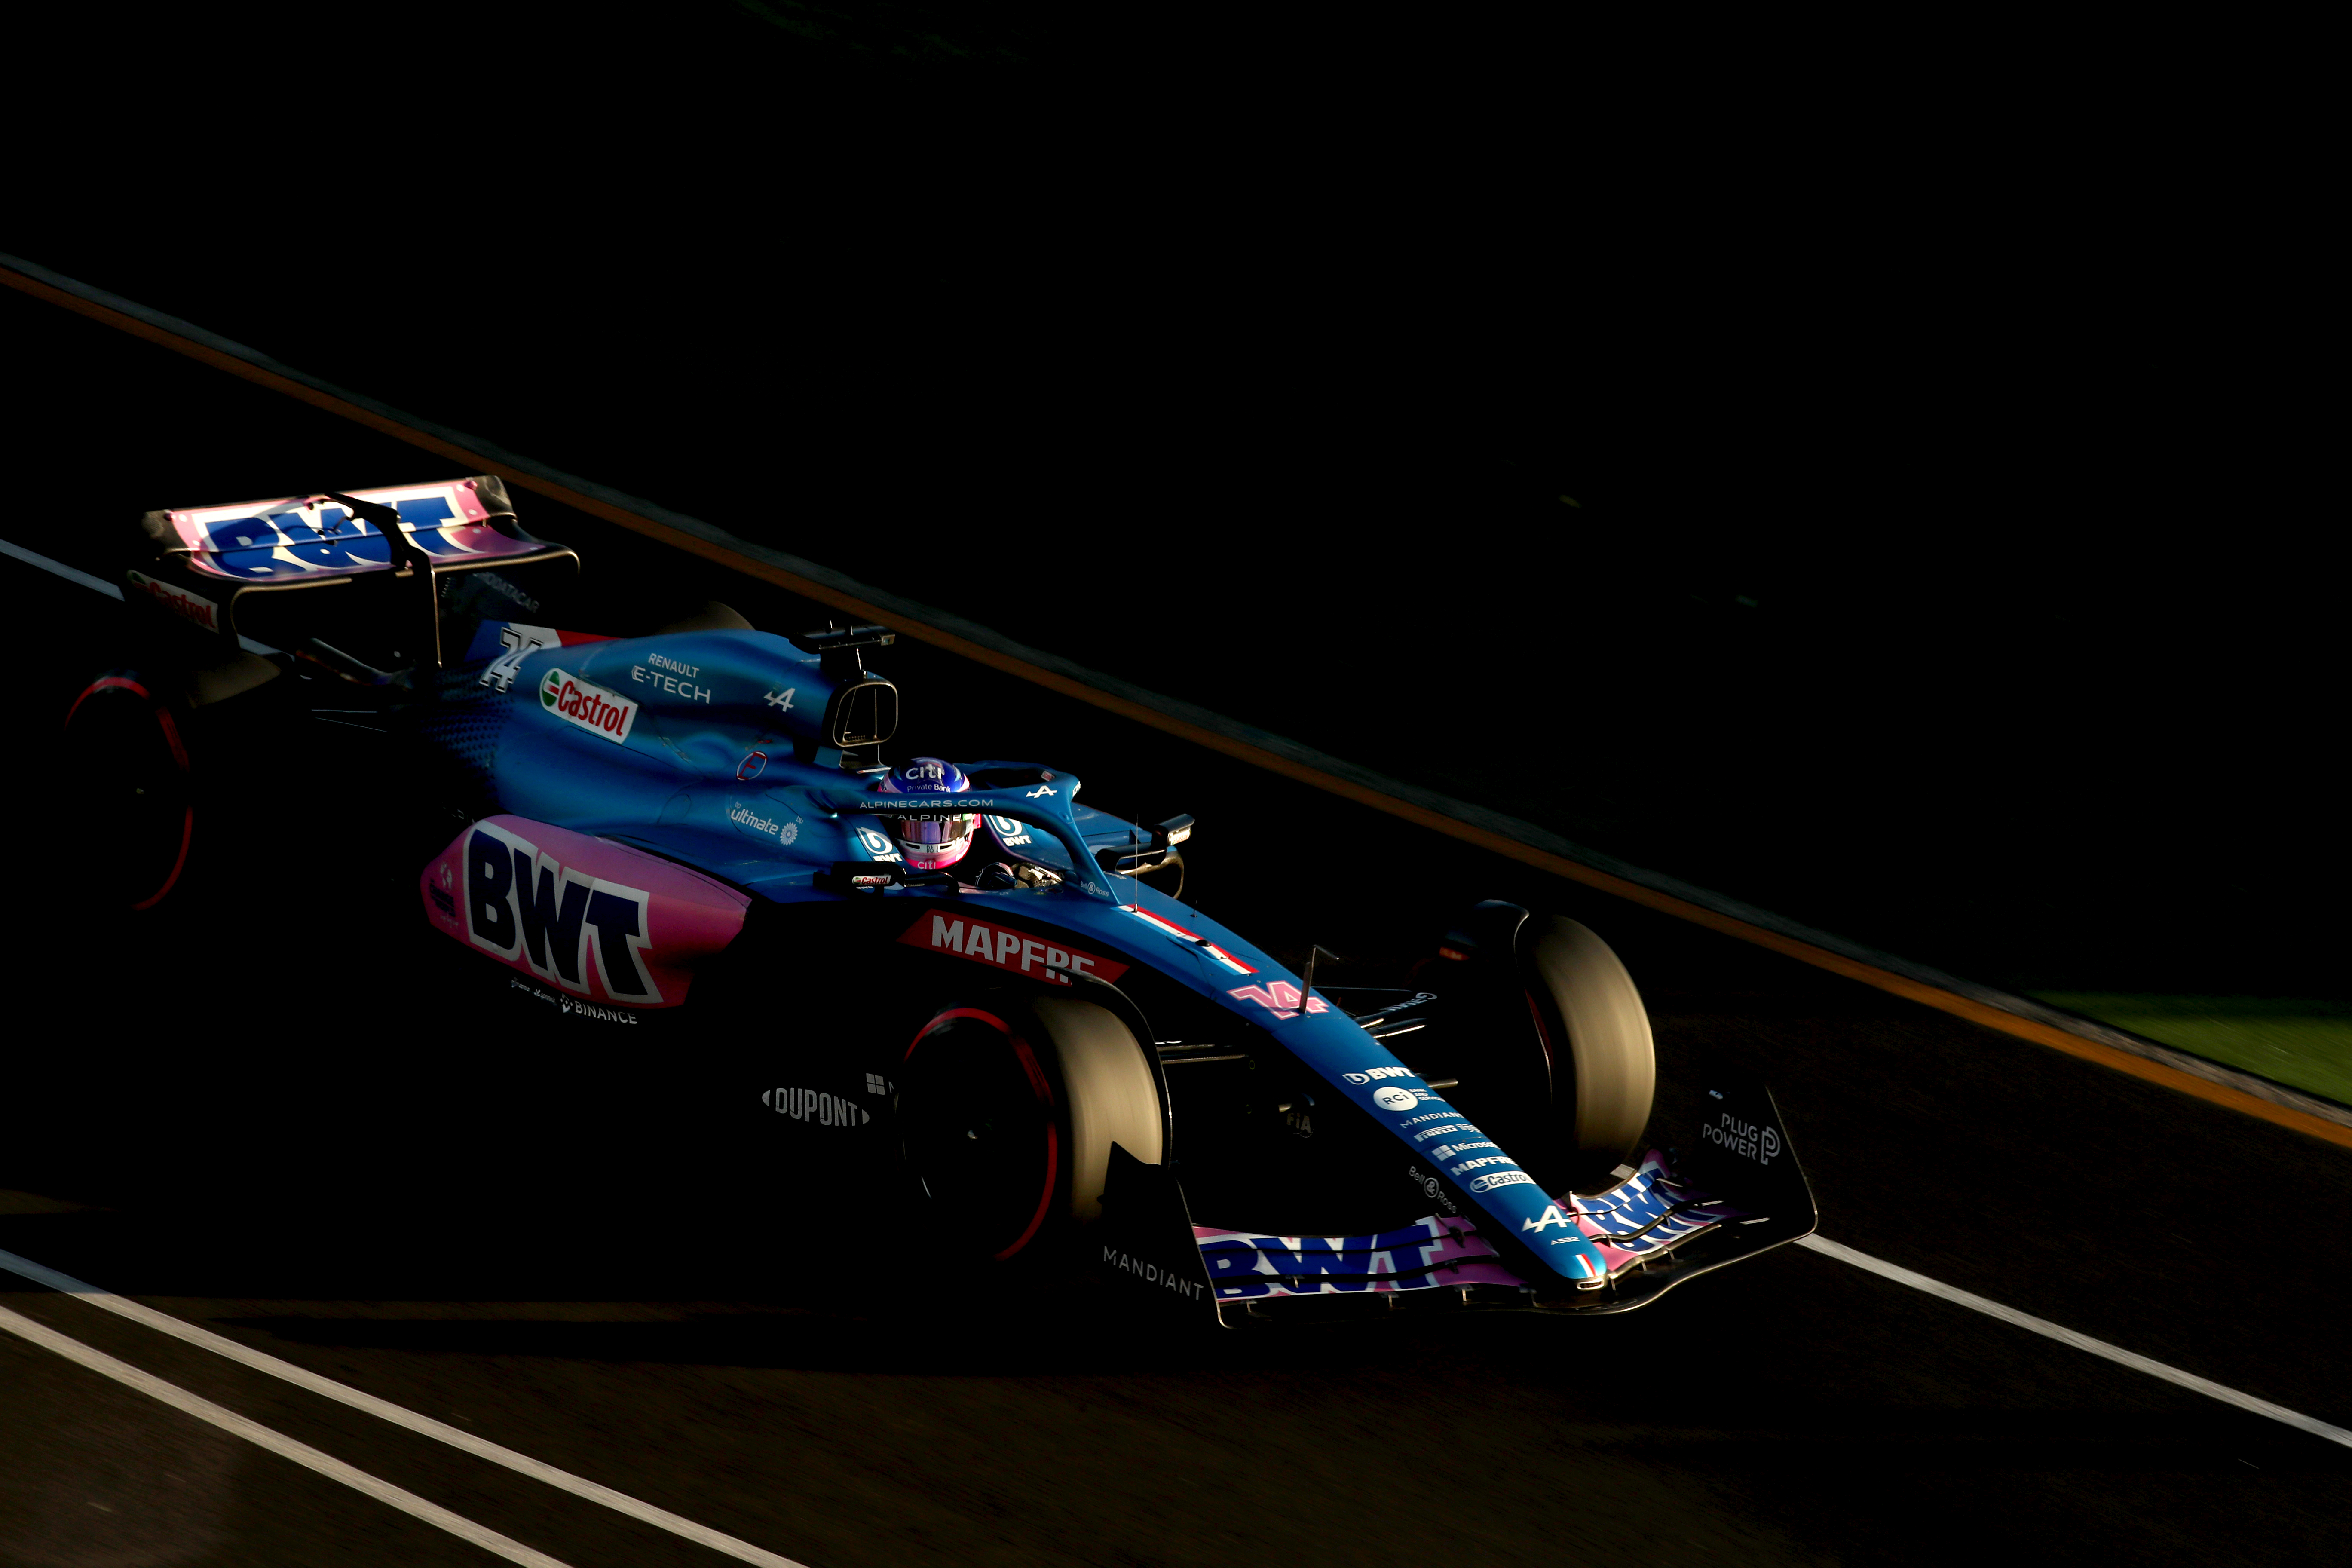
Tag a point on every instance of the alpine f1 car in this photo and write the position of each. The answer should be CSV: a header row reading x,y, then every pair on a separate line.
x,y
981,995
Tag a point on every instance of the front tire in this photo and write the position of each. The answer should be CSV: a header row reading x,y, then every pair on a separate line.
x,y
1596,1038
1007,1111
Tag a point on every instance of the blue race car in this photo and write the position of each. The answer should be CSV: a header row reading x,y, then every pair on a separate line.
x,y
962,977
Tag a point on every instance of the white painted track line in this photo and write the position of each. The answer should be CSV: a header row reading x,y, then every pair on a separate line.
x,y
70,575
327,1465
2066,1336
98,584
399,1416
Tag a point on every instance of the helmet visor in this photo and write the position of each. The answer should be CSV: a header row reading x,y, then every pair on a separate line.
x,y
930,833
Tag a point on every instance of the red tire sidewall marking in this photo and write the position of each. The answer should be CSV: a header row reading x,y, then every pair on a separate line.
x,y
1543,1039
162,716
1044,1089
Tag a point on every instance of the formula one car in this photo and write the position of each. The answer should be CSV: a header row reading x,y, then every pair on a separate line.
x,y
983,997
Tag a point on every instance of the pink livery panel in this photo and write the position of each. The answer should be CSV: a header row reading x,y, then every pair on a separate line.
x,y
598,920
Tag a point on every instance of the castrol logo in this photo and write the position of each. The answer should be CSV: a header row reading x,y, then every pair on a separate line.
x,y
594,709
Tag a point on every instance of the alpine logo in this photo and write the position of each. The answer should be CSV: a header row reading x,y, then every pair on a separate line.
x,y
1500,1179
1546,1220
523,903
782,701
1378,1073
591,707
811,1105
1001,948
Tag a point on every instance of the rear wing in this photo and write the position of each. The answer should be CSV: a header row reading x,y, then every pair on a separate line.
x,y
394,556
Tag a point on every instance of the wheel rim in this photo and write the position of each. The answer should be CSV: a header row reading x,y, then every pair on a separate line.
x,y
980,1126
134,782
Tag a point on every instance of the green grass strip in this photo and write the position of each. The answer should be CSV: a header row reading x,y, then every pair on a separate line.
x,y
2296,1041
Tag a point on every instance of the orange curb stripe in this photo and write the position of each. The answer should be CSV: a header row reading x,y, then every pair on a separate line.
x,y
1959,1006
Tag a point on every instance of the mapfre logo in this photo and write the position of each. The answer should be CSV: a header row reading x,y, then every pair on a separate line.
x,y
1009,950
581,702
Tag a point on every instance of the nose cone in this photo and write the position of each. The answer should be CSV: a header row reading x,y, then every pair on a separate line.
x,y
1561,1243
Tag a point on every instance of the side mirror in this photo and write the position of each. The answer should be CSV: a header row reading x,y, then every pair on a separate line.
x,y
859,717
1164,839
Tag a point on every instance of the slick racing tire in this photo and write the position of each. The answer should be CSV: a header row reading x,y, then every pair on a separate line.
x,y
1007,1111
134,801
1595,1035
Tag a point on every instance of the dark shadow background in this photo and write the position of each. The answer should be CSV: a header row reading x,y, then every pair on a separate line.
x,y
1948,566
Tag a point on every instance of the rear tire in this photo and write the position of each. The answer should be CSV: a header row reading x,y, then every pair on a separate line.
x,y
132,822
1007,1111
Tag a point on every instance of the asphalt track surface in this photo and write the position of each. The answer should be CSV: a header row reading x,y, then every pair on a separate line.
x,y
261,1119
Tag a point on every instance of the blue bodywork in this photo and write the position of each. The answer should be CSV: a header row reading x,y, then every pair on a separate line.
x,y
723,766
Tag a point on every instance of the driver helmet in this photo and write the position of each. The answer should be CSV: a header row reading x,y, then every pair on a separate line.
x,y
929,837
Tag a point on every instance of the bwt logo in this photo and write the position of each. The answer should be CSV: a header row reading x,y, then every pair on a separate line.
x,y
524,904
1378,1073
